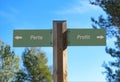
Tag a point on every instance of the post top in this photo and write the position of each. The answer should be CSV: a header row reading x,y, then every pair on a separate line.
x,y
59,21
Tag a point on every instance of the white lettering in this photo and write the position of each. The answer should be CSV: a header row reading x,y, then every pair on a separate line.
x,y
82,37
34,37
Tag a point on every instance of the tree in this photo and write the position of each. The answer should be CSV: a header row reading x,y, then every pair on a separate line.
x,y
9,63
36,69
112,24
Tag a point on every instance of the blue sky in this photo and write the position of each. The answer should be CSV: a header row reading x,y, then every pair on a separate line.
x,y
84,63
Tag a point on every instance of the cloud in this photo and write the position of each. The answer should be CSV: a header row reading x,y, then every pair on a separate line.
x,y
13,10
79,7
5,14
9,13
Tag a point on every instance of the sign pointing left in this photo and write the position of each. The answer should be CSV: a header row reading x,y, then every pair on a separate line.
x,y
32,38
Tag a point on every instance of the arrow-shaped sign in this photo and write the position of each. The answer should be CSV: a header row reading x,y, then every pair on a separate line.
x,y
18,37
100,37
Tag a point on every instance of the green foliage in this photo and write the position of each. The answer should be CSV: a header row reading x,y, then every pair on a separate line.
x,y
36,69
9,63
112,9
112,24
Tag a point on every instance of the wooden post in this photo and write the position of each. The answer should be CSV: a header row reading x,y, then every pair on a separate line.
x,y
59,51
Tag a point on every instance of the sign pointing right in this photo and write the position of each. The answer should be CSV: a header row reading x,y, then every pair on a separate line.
x,y
86,37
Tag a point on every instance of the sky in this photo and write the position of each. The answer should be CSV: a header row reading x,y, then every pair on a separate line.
x,y
84,62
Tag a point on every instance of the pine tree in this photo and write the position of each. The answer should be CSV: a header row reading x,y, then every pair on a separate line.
x,y
9,63
35,63
112,25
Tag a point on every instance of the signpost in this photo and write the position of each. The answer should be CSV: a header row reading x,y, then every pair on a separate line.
x,y
59,51
59,38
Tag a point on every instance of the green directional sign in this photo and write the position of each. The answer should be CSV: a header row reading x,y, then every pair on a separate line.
x,y
32,38
86,37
